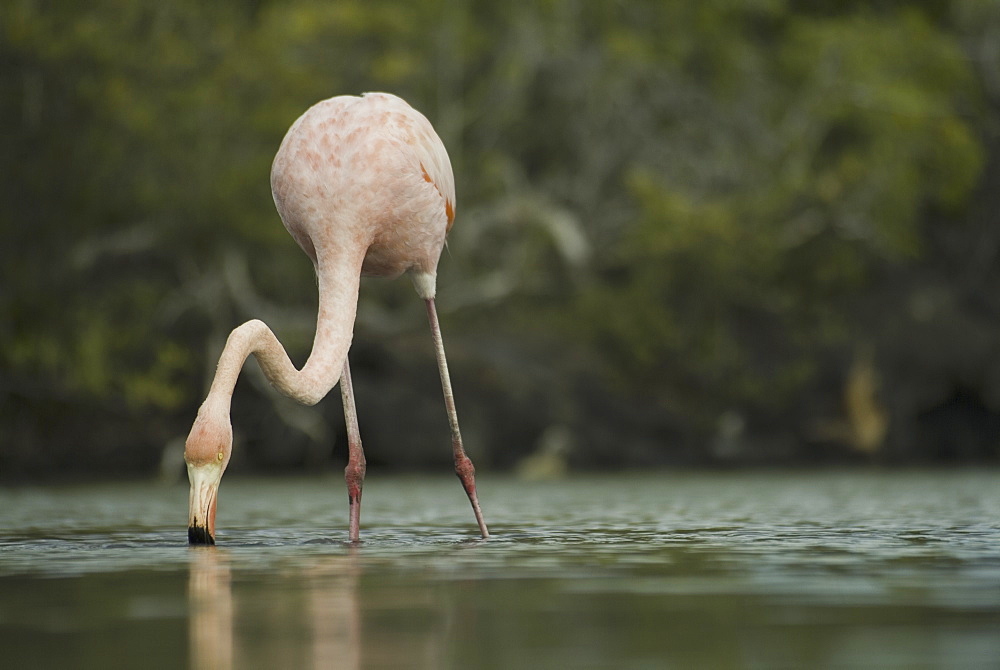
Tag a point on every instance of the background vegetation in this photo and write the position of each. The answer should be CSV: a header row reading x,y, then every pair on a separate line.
x,y
714,232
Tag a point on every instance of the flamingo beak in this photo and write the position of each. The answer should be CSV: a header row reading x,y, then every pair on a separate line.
x,y
204,494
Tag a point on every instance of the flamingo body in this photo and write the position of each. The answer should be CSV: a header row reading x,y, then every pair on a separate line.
x,y
368,175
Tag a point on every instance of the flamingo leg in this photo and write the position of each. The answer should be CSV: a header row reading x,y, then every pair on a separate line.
x,y
354,473
463,464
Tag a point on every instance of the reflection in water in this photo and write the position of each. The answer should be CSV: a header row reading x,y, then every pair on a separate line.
x,y
333,610
330,614
210,603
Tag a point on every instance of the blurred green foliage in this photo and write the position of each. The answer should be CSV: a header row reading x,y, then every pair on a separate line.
x,y
686,208
820,145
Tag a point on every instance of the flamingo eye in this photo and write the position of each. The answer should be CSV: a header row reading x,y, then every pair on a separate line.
x,y
220,457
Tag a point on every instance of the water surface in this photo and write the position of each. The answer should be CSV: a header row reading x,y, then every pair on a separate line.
x,y
731,570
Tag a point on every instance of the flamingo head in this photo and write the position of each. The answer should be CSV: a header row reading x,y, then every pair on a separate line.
x,y
206,452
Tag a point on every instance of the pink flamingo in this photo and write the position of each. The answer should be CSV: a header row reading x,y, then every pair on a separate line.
x,y
365,187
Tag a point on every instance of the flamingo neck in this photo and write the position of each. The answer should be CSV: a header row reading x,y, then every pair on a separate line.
x,y
338,303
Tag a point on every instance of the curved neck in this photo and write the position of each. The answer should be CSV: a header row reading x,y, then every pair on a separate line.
x,y
338,304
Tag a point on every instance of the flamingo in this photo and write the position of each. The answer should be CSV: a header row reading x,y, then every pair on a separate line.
x,y
365,186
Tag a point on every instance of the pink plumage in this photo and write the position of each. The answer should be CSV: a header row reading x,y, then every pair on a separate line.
x,y
368,173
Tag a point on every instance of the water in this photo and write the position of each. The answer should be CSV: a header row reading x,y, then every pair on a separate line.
x,y
731,570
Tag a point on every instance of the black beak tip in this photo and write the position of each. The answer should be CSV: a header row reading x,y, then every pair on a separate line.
x,y
201,536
